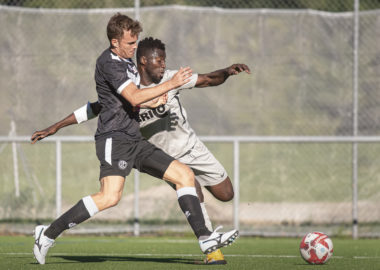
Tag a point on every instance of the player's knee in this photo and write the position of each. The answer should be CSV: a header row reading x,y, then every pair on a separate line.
x,y
223,192
111,200
186,176
228,195
225,197
180,175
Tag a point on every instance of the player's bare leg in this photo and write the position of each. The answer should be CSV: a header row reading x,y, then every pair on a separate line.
x,y
111,189
179,175
223,191
108,196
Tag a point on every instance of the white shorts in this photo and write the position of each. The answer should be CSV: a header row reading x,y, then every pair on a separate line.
x,y
207,169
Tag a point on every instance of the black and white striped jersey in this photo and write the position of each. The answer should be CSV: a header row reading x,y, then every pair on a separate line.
x,y
112,75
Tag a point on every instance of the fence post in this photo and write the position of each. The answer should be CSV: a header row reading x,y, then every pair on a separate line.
x,y
15,160
137,10
136,221
58,177
236,184
355,78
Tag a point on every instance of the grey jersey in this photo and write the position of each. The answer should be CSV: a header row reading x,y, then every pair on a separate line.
x,y
166,126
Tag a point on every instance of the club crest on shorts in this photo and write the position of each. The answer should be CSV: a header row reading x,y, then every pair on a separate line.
x,y
122,164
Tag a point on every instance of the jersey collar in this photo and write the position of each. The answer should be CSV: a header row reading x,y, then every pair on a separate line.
x,y
114,56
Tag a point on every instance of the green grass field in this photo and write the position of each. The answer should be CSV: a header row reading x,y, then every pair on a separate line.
x,y
180,253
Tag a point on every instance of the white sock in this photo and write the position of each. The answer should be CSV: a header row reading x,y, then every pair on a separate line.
x,y
186,191
207,218
90,205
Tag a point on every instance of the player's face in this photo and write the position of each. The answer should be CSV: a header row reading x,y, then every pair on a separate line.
x,y
156,64
127,45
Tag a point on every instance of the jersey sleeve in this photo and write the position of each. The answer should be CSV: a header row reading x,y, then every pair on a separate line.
x,y
189,85
115,75
84,113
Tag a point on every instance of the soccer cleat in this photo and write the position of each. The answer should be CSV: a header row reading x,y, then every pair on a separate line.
x,y
217,240
215,257
42,244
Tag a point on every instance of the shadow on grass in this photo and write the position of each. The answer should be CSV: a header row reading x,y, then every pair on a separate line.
x,y
95,259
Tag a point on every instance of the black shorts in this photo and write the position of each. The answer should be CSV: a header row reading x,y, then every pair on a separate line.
x,y
118,155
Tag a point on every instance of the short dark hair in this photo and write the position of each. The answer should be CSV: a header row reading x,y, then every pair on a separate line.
x,y
118,23
147,45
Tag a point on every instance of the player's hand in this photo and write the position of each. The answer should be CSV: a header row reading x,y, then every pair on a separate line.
x,y
39,135
154,103
161,100
181,77
237,68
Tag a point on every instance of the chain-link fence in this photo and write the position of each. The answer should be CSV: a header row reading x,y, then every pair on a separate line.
x,y
305,82
332,6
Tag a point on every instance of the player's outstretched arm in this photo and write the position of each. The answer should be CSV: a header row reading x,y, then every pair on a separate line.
x,y
84,113
39,135
218,77
136,96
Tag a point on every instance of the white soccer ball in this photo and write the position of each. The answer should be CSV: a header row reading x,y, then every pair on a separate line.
x,y
316,248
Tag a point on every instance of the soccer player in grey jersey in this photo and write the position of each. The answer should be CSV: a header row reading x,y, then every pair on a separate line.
x,y
167,126
120,145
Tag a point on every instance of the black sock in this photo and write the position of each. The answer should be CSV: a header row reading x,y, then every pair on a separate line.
x,y
75,215
191,207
